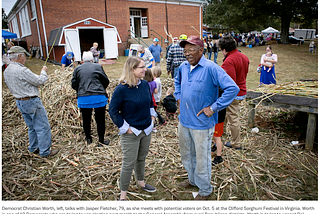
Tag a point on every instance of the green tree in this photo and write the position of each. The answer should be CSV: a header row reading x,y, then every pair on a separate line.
x,y
246,15
4,20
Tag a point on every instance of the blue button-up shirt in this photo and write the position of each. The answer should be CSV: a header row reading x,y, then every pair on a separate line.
x,y
199,88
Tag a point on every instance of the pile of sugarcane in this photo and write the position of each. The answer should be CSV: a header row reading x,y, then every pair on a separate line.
x,y
269,168
298,88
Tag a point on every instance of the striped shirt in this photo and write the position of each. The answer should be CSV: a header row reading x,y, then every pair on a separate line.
x,y
22,82
175,56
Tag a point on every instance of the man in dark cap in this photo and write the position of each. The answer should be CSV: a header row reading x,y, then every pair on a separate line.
x,y
23,84
197,92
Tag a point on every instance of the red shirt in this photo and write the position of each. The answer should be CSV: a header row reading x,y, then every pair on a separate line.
x,y
236,65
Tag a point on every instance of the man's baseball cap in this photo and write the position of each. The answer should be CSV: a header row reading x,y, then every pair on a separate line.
x,y
193,40
156,40
18,49
69,55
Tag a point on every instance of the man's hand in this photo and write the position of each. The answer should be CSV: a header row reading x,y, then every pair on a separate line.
x,y
207,111
45,68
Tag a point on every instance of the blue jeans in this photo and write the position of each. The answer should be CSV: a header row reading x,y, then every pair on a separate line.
x,y
175,71
209,55
215,57
195,149
35,117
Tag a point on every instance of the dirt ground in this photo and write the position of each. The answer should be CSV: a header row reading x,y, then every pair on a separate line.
x,y
269,167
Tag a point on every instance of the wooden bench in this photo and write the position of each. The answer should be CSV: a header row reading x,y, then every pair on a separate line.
x,y
296,103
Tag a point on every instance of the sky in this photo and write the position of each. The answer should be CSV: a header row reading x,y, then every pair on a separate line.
x,y
7,5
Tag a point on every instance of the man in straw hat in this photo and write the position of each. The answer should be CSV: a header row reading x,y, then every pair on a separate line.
x,y
197,92
23,84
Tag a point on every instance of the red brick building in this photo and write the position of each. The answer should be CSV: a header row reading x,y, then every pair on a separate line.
x,y
46,23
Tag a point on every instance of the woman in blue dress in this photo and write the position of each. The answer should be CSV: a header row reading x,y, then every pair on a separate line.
x,y
268,76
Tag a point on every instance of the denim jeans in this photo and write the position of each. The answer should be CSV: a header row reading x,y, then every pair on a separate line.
x,y
175,71
135,150
209,55
35,117
215,57
195,149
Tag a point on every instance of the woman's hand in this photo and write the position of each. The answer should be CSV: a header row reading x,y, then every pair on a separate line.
x,y
153,119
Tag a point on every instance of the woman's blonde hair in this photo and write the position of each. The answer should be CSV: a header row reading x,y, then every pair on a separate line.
x,y
127,76
156,71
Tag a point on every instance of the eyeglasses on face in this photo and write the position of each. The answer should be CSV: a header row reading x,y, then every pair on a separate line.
x,y
141,67
191,50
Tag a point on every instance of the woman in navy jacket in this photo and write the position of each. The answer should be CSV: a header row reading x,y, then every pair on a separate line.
x,y
131,109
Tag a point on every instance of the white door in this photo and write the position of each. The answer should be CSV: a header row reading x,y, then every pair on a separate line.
x,y
144,27
132,27
110,43
73,43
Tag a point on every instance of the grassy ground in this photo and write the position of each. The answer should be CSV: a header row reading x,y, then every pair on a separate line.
x,y
269,169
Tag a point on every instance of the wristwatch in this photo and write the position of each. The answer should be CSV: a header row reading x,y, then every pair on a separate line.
x,y
211,109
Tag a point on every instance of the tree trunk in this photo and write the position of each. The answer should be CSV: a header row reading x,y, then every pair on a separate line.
x,y
285,24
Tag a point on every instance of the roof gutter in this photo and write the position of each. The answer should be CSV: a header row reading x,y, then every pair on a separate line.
x,y
44,28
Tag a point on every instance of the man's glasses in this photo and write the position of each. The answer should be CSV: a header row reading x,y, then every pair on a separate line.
x,y
191,50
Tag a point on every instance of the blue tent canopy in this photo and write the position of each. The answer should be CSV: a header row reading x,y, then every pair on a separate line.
x,y
8,35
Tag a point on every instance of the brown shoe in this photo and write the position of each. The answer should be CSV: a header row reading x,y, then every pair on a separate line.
x,y
201,198
185,184
52,153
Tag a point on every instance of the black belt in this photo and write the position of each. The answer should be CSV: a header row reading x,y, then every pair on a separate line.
x,y
26,98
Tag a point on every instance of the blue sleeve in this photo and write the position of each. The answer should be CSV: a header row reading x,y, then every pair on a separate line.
x,y
230,90
177,85
64,59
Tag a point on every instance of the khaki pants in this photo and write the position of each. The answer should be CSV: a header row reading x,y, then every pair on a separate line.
x,y
135,150
232,118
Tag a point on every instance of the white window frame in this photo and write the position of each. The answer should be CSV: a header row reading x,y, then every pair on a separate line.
x,y
33,10
24,22
15,27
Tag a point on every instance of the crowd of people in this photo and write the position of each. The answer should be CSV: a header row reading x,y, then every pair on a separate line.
x,y
207,95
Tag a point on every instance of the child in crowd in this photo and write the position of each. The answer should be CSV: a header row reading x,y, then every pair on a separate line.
x,y
152,84
95,52
269,57
156,72
153,90
218,131
170,104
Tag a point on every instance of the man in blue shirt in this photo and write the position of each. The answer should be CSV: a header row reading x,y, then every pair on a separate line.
x,y
67,59
156,51
197,92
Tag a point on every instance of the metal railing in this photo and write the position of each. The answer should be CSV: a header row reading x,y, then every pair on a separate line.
x,y
162,40
137,38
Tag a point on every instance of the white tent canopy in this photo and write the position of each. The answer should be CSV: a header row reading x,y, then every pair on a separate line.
x,y
270,30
